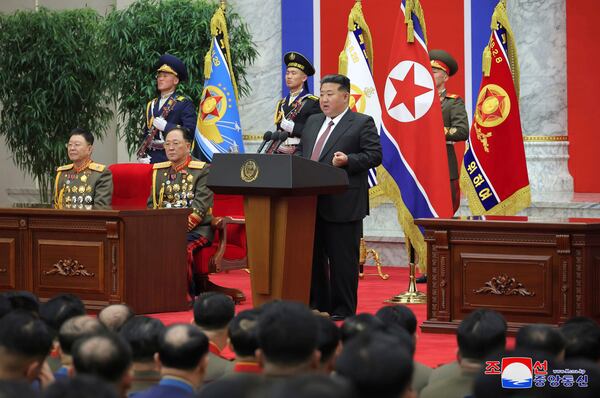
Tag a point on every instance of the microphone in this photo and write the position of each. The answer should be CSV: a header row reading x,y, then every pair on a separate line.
x,y
266,138
283,135
274,139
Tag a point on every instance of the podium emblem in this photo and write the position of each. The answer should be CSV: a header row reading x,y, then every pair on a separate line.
x,y
249,171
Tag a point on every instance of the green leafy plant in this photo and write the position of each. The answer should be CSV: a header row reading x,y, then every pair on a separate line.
x,y
53,78
139,34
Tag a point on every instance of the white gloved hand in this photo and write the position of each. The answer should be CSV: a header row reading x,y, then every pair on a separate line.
x,y
145,160
287,125
160,123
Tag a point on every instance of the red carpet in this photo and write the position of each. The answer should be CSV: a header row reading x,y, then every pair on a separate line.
x,y
432,349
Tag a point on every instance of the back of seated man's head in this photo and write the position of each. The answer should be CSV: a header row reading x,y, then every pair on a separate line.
x,y
76,328
400,315
23,300
24,344
582,337
104,355
544,338
377,364
213,311
143,336
182,347
328,339
287,334
358,324
81,386
5,306
59,309
243,333
480,334
114,316
17,389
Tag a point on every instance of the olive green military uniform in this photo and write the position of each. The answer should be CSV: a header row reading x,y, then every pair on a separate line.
x,y
456,127
457,386
89,187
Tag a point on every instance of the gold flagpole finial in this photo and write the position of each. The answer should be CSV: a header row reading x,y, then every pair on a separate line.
x,y
223,4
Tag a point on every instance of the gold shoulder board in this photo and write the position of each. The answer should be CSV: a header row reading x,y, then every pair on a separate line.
x,y
65,167
196,164
180,98
162,165
313,97
97,167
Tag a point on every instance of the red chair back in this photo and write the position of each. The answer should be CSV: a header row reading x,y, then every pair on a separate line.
x,y
131,184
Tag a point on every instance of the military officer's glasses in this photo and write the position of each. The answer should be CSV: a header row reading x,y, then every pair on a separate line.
x,y
75,145
174,144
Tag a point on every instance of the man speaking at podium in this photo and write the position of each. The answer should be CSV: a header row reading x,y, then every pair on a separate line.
x,y
348,140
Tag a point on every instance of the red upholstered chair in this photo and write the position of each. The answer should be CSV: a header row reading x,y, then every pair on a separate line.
x,y
131,184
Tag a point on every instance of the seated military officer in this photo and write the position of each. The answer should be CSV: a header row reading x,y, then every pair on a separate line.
x,y
180,182
83,183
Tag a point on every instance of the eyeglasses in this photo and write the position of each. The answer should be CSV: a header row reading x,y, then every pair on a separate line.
x,y
75,145
173,144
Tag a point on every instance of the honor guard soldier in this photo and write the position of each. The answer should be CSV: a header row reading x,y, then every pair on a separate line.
x,y
167,111
180,182
83,183
293,110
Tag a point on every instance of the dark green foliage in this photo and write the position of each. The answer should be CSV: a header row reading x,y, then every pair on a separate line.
x,y
52,79
138,35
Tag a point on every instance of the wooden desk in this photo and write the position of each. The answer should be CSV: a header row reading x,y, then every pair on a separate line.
x,y
530,271
135,257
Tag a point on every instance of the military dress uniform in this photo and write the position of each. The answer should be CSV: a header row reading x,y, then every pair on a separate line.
x,y
296,108
185,187
83,188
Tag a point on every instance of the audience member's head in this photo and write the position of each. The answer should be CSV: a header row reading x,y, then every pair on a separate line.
x,y
76,328
406,340
480,334
17,389
81,386
239,386
213,311
114,316
59,309
143,336
543,338
24,344
582,337
23,300
399,315
243,334
106,356
357,324
287,337
328,342
182,352
5,306
377,364
314,386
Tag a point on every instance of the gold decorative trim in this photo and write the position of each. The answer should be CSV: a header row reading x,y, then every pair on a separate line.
x,y
546,138
250,137
69,267
504,285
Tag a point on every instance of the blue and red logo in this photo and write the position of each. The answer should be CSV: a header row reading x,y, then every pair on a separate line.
x,y
517,372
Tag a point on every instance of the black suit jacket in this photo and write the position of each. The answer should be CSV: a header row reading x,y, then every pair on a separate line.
x,y
356,136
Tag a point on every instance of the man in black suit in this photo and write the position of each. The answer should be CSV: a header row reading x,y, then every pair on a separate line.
x,y
348,140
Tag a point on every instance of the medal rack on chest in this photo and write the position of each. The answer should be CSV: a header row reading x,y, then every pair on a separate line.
x,y
78,194
178,189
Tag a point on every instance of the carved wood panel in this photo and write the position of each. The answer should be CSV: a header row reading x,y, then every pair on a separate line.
x,y
8,259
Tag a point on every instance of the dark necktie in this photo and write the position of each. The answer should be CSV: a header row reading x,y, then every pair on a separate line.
x,y
316,153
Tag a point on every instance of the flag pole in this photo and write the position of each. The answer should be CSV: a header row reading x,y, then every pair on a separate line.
x,y
412,295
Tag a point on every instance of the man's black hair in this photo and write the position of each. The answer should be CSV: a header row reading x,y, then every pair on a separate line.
x,y
481,333
115,316
80,386
538,337
314,385
17,389
243,332
87,136
400,315
23,300
188,135
398,332
25,335
356,324
582,339
76,328
213,311
143,335
182,346
287,333
59,309
342,80
328,337
377,364
105,355
5,306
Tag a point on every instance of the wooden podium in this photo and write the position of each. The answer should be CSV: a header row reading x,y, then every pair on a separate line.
x,y
280,201
102,256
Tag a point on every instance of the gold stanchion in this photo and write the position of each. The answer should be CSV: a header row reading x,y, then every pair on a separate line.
x,y
362,258
411,295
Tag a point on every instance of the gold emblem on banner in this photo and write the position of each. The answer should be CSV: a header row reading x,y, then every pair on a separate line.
x,y
249,171
493,106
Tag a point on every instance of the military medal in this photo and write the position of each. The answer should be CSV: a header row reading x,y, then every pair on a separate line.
x,y
83,178
176,187
81,189
189,178
88,189
88,199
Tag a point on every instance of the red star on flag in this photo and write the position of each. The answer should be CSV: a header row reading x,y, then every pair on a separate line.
x,y
407,91
357,98
209,105
491,106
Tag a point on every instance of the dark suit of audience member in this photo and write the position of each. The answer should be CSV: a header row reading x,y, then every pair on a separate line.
x,y
182,353
348,140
